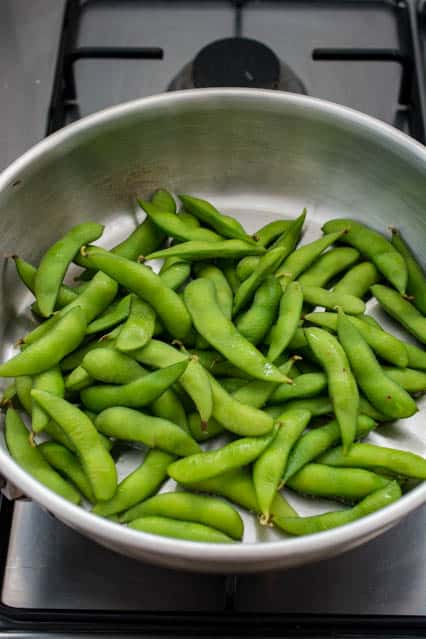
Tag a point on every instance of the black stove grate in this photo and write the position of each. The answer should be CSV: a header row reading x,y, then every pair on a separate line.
x,y
64,108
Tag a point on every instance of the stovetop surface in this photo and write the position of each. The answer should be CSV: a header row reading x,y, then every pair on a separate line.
x,y
49,566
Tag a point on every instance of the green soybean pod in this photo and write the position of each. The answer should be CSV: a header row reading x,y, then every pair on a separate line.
x,y
131,425
55,261
67,464
176,274
77,380
416,284
383,393
271,231
95,298
411,380
115,314
236,417
346,484
257,320
215,462
299,260
75,358
27,273
318,440
287,241
135,394
237,486
95,459
376,247
138,328
111,367
305,385
207,213
48,351
202,432
141,280
267,265
317,406
52,382
168,406
196,250
318,523
8,394
166,527
328,265
209,511
270,465
175,227
342,386
223,290
140,484
229,270
24,384
357,280
401,310
416,356
221,333
383,344
31,459
288,319
194,380
381,458
329,299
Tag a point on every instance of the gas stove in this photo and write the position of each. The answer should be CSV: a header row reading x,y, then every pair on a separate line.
x,y
88,55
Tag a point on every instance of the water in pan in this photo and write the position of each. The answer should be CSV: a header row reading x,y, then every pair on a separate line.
x,y
406,435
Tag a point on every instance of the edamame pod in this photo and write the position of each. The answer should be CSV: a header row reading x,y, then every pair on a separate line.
x,y
143,482
383,344
66,463
31,459
299,260
357,280
341,382
223,290
380,458
270,465
173,226
52,382
132,425
194,380
317,406
207,213
318,440
148,285
347,484
267,264
112,367
95,459
77,380
215,462
208,250
401,310
176,273
288,319
318,523
27,273
63,338
383,393
305,385
256,321
286,241
330,299
138,328
135,394
221,333
190,531
328,266
209,511
271,231
237,486
55,261
376,247
416,285
411,380
116,313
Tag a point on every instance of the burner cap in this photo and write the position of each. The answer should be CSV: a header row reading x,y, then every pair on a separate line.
x,y
236,62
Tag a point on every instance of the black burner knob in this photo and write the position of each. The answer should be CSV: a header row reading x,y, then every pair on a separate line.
x,y
236,62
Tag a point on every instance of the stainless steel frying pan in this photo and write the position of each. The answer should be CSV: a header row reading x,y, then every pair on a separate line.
x,y
257,155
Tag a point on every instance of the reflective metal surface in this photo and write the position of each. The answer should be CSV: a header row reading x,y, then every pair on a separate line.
x,y
255,154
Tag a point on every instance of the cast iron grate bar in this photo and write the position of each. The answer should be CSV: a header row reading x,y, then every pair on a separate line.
x,y
375,55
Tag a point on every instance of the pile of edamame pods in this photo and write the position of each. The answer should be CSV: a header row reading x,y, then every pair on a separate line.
x,y
226,340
